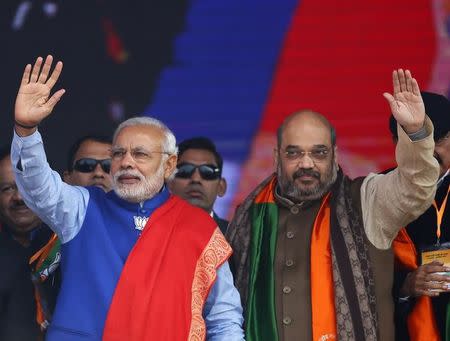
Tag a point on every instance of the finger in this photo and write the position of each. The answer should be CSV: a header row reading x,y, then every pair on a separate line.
x,y
45,69
430,268
427,293
435,262
435,286
402,80
36,69
26,75
415,87
54,99
408,80
438,277
395,82
391,100
55,74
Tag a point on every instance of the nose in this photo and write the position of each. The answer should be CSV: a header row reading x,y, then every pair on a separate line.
x,y
17,196
306,162
127,161
98,171
196,176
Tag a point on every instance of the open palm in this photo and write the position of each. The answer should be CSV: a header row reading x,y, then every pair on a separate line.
x,y
406,104
33,101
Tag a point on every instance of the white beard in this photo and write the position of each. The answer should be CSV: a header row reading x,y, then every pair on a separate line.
x,y
145,189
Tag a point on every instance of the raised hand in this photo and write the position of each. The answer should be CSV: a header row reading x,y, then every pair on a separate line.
x,y
33,103
406,103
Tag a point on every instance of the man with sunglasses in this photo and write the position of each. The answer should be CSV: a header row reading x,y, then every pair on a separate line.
x,y
89,162
198,178
137,263
311,246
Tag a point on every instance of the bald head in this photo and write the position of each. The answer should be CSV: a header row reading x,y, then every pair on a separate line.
x,y
306,119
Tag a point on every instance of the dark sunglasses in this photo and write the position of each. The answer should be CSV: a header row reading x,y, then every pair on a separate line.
x,y
87,165
207,172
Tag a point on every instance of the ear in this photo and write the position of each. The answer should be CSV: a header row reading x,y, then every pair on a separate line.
x,y
336,161
275,158
67,177
222,187
169,166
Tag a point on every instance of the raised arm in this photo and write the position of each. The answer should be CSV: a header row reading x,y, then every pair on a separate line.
x,y
391,201
60,206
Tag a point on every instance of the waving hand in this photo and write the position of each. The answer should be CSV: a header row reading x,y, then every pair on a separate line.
x,y
406,103
33,101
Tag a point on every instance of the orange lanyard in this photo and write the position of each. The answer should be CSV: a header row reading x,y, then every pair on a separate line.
x,y
440,215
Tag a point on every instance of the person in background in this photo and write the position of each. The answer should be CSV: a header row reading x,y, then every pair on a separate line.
x,y
421,291
89,162
198,178
27,294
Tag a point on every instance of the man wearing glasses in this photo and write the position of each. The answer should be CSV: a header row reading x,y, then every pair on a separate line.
x,y
137,263
311,246
89,162
198,178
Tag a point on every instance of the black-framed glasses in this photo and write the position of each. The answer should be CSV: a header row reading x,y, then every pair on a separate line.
x,y
138,154
87,165
207,172
317,154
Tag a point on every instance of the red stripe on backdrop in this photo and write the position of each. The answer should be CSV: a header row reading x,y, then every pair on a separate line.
x,y
337,59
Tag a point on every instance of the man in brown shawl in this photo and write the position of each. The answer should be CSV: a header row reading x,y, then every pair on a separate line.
x,y
312,256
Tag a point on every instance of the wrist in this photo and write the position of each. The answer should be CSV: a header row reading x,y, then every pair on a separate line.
x,y
414,128
405,291
23,130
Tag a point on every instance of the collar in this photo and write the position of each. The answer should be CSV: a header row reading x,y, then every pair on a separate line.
x,y
145,207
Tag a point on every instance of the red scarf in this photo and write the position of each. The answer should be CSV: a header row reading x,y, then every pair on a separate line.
x,y
167,277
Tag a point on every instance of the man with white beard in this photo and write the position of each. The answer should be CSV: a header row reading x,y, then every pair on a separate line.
x,y
137,263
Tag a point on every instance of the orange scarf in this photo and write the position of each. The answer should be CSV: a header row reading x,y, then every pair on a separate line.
x,y
421,323
167,277
322,286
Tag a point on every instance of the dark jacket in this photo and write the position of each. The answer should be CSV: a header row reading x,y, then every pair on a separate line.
x,y
17,299
223,224
422,232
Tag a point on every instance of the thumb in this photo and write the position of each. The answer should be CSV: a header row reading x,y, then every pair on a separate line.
x,y
389,98
392,103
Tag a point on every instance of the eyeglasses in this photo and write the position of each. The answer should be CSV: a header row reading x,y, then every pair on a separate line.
x,y
87,165
207,172
317,155
138,154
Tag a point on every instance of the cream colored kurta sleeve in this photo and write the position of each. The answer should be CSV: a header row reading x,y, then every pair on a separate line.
x,y
391,201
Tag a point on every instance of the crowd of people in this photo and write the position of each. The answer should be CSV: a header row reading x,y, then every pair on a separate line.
x,y
126,244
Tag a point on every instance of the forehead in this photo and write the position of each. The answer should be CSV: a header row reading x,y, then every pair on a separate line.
x,y
139,136
93,149
6,173
198,157
305,132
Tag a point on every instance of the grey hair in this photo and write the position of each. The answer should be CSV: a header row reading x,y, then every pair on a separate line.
x,y
169,144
